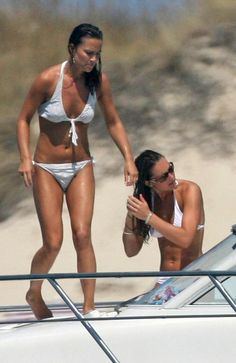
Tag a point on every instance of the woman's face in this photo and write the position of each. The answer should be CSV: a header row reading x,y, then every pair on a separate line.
x,y
163,176
86,54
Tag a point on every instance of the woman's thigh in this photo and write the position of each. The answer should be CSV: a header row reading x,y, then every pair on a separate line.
x,y
80,198
48,198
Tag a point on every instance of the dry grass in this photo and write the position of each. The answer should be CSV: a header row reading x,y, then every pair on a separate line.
x,y
29,43
218,11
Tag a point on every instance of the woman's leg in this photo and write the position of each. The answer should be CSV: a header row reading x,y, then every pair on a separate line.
x,y
80,201
48,197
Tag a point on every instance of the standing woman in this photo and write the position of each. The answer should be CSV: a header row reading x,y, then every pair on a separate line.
x,y
167,208
64,96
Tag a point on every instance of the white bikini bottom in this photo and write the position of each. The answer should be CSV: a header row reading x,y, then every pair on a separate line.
x,y
65,172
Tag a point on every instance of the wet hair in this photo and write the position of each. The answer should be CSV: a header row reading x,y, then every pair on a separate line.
x,y
145,163
93,78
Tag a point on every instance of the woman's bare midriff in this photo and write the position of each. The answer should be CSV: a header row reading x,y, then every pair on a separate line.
x,y
55,146
175,258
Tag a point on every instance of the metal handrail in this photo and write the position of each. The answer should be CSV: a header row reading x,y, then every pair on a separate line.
x,y
86,324
223,291
98,275
52,277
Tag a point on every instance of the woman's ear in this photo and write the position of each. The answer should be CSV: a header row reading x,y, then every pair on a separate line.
x,y
71,49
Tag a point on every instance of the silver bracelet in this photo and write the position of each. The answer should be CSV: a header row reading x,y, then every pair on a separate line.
x,y
148,217
128,233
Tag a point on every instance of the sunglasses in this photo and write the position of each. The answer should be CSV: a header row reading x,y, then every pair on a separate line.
x,y
165,175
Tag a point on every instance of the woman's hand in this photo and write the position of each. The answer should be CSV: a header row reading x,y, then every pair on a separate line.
x,y
26,169
138,207
130,173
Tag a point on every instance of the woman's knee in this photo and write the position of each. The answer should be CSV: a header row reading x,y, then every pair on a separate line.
x,y
53,245
81,237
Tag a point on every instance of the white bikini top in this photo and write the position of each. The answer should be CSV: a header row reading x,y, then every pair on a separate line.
x,y
178,216
53,109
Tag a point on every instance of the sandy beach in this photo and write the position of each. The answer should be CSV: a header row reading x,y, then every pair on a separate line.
x,y
20,234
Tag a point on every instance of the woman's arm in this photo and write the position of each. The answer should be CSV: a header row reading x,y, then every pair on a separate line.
x,y
35,97
131,240
116,129
192,210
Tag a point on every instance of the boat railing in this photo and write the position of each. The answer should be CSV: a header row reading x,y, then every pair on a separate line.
x,y
76,309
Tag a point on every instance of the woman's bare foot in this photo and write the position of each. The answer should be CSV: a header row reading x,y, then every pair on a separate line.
x,y
38,306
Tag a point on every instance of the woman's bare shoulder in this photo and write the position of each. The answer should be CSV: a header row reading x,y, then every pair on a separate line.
x,y
104,77
49,74
104,87
46,80
188,186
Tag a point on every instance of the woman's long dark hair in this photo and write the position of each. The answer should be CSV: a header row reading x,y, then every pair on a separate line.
x,y
144,163
93,78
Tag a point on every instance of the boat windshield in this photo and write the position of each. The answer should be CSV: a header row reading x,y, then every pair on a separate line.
x,y
220,257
